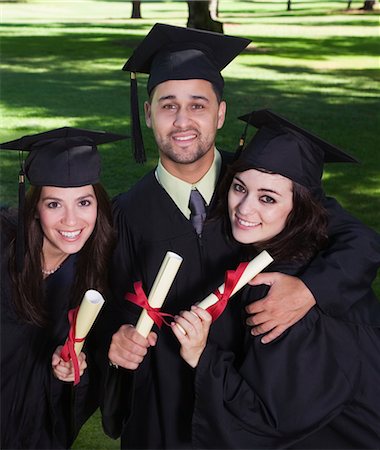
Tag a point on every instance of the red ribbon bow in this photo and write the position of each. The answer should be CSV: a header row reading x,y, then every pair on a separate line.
x,y
231,279
68,350
140,299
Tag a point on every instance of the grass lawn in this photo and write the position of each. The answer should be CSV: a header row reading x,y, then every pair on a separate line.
x,y
318,65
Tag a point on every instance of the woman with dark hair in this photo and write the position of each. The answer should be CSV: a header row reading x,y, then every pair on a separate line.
x,y
53,249
317,385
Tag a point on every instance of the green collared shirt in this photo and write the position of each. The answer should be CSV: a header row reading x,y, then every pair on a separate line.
x,y
179,190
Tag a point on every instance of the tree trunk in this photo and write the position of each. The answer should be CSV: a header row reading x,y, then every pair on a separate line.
x,y
200,18
214,9
136,10
349,5
368,5
289,5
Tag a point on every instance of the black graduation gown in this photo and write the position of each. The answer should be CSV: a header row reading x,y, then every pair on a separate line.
x,y
37,410
317,386
163,394
152,407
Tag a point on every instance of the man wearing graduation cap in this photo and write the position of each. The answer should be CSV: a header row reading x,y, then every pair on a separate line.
x,y
165,211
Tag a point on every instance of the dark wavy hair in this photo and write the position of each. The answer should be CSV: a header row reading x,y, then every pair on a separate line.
x,y
305,231
92,262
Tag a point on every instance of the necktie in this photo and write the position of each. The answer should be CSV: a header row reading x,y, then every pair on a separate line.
x,y
198,210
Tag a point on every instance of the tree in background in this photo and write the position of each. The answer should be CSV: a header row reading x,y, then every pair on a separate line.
x,y
289,5
136,10
200,16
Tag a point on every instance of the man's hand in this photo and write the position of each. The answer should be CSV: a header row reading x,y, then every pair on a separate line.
x,y
287,301
128,347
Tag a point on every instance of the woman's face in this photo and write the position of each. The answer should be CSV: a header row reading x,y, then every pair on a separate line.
x,y
67,217
258,205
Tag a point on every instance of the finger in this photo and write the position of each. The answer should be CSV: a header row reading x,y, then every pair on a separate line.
x,y
263,328
263,278
273,334
185,324
255,307
152,338
201,313
179,333
257,319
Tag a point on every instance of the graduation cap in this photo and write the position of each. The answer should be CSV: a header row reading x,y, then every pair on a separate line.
x,y
64,157
175,53
282,147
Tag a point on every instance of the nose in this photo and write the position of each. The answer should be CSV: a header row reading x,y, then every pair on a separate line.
x,y
246,206
70,217
182,118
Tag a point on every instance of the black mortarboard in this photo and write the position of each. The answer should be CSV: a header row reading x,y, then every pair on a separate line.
x,y
175,53
282,147
65,157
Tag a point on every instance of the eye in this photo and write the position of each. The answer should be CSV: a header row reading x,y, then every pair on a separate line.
x,y
53,205
85,203
169,106
238,188
197,106
267,199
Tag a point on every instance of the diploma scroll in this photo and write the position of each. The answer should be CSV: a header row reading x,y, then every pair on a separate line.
x,y
255,266
160,289
89,309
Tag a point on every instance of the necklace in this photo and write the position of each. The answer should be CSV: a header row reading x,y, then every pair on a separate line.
x,y
49,272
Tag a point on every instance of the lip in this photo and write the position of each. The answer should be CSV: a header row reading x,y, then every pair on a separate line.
x,y
70,236
245,224
184,137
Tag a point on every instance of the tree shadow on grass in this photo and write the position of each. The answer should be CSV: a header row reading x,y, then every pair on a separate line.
x,y
78,79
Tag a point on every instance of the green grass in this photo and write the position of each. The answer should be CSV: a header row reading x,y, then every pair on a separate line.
x,y
318,65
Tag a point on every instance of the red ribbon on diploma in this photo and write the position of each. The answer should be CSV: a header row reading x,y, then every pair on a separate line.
x,y
68,350
140,299
230,281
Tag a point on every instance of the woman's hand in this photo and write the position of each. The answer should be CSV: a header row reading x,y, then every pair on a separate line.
x,y
191,329
64,371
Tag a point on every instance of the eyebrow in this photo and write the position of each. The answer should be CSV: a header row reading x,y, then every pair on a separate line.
x,y
193,97
57,199
260,189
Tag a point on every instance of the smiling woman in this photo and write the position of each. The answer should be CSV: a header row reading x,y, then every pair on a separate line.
x,y
54,248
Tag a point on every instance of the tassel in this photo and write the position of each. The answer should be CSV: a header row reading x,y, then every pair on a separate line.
x,y
20,238
137,140
243,137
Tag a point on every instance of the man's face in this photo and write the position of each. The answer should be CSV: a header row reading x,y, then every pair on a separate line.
x,y
184,116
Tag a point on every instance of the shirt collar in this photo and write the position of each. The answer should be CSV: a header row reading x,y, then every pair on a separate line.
x,y
179,190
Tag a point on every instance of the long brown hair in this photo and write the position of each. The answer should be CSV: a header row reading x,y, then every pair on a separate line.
x,y
305,231
92,262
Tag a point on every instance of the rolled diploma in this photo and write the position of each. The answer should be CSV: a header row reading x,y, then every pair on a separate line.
x,y
255,266
89,309
159,291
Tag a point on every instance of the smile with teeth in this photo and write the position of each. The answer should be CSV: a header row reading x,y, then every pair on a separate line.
x,y
70,234
184,138
245,223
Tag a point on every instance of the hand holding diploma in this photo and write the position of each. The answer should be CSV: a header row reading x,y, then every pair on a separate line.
x,y
81,320
64,371
130,344
216,302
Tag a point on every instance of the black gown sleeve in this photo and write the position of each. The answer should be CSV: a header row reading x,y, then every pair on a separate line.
x,y
342,275
281,392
